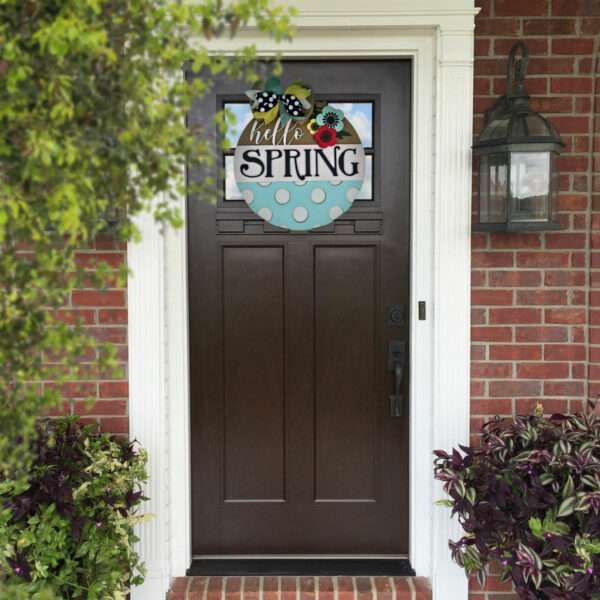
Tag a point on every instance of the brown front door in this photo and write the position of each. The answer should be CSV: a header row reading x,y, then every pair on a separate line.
x,y
294,446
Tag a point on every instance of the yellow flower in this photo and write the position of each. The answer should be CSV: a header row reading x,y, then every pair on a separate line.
x,y
313,126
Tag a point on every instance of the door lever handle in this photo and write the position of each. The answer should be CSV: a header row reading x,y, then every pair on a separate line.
x,y
396,399
396,351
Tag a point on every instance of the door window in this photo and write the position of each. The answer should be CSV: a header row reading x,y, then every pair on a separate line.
x,y
359,113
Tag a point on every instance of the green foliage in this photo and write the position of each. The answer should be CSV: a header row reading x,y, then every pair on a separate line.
x,y
68,528
19,592
549,526
92,123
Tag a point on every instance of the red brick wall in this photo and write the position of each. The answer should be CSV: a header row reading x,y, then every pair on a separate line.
x,y
536,296
536,314
104,313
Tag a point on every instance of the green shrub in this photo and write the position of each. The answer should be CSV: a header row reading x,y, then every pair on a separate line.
x,y
93,132
68,527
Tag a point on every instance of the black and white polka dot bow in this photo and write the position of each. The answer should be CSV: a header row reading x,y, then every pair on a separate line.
x,y
272,102
266,101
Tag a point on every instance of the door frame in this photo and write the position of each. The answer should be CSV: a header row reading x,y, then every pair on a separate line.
x,y
437,35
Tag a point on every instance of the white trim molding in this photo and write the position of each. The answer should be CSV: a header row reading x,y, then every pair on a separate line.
x,y
147,396
437,35
452,283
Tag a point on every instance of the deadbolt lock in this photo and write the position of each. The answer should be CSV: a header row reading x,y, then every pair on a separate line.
x,y
395,315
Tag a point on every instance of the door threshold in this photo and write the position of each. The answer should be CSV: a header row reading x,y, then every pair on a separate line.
x,y
237,567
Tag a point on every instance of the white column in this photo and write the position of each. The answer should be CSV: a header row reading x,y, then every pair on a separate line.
x,y
452,282
177,368
147,402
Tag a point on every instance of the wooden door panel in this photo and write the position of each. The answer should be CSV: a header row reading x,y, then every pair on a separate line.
x,y
294,450
253,373
345,308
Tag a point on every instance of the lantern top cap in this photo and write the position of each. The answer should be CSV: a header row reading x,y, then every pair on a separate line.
x,y
511,123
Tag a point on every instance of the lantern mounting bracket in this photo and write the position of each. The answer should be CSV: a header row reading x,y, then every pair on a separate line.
x,y
516,70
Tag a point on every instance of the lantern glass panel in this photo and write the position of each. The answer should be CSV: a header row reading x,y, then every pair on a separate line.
x,y
530,186
493,169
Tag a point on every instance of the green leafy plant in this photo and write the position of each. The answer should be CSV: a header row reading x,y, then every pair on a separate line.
x,y
92,125
67,528
529,499
93,132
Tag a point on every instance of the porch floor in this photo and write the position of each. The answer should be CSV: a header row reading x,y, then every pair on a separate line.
x,y
299,588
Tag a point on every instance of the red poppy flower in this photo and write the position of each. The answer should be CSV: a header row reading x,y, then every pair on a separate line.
x,y
325,136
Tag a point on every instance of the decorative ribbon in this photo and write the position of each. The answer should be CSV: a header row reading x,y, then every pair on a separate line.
x,y
272,102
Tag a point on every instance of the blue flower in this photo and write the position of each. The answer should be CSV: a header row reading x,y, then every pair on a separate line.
x,y
331,117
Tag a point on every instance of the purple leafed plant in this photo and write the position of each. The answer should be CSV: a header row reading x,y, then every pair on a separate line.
x,y
529,498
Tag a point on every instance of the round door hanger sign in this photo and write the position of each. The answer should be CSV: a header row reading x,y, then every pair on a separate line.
x,y
298,164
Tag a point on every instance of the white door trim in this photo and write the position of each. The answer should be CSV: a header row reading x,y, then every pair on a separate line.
x,y
439,40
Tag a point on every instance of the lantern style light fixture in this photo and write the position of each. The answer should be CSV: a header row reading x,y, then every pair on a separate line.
x,y
517,151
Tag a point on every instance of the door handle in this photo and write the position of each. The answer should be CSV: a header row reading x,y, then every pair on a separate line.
x,y
396,399
396,352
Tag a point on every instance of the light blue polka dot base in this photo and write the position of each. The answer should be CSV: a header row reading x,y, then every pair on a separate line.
x,y
300,206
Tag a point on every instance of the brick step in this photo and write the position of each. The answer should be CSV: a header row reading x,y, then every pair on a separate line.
x,y
300,588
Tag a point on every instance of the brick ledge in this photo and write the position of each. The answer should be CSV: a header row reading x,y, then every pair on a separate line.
x,y
300,588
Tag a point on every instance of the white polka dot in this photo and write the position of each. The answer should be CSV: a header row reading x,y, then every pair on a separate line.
x,y
264,183
300,214
282,196
335,181
335,212
351,194
265,213
317,195
300,182
262,109
248,196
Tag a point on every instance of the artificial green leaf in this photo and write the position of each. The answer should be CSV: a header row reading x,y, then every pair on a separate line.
x,y
274,85
268,116
298,90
